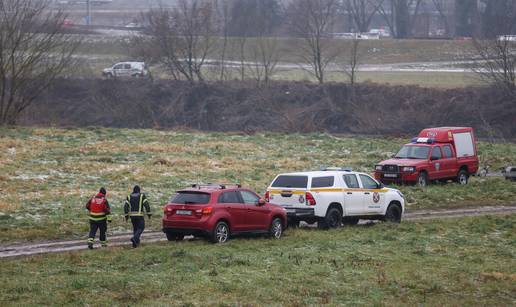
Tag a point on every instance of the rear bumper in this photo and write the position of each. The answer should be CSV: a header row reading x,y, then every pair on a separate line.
x,y
396,177
186,231
187,227
300,214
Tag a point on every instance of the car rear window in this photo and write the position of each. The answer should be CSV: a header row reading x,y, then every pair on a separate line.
x,y
284,181
191,198
323,182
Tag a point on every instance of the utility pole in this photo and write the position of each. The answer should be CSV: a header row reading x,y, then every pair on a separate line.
x,y
88,12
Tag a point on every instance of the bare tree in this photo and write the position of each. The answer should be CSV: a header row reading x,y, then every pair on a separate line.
x,y
351,66
441,8
362,12
183,37
34,51
223,8
265,58
497,63
400,16
313,21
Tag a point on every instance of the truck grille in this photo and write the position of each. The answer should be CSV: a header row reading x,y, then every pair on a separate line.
x,y
390,168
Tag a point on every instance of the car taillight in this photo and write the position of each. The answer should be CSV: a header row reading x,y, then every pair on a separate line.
x,y
267,194
310,200
207,211
168,209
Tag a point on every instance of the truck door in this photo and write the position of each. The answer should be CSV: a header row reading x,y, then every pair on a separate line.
x,y
449,164
353,196
373,197
435,169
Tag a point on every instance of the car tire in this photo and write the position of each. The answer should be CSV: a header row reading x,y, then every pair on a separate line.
x,y
462,177
422,179
174,236
220,233
276,229
109,76
393,214
350,221
333,219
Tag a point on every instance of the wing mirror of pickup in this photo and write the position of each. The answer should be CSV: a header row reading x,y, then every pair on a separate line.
x,y
261,202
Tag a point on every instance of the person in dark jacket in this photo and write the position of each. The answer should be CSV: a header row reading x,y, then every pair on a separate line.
x,y
100,214
135,207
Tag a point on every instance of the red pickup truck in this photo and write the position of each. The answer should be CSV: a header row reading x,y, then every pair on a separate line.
x,y
445,153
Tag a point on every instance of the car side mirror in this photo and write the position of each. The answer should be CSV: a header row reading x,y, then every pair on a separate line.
x,y
261,202
381,185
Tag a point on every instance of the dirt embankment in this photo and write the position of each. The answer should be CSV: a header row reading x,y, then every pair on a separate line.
x,y
284,106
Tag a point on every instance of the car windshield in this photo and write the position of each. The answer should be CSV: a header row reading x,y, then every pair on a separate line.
x,y
413,152
190,198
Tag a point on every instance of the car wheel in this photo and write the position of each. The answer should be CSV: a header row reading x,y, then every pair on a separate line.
x,y
174,236
276,230
109,75
393,214
422,179
462,177
220,233
333,219
350,221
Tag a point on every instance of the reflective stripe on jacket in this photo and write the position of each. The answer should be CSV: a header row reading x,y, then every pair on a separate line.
x,y
136,204
99,208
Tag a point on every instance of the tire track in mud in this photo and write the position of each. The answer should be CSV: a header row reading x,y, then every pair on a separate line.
x,y
18,250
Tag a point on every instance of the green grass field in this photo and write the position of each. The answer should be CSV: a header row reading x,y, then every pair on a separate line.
x,y
457,262
47,175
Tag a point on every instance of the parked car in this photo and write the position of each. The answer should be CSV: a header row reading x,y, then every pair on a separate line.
x,y
220,211
446,153
333,197
510,173
126,69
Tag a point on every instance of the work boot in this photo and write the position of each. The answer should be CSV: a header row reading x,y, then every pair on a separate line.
x,y
103,243
90,243
134,243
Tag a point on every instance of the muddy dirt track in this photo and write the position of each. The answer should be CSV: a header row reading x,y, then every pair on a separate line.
x,y
9,251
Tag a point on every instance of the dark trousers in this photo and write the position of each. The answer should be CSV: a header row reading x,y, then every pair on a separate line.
x,y
100,225
138,227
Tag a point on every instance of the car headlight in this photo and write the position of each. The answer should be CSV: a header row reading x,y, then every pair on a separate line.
x,y
378,167
409,169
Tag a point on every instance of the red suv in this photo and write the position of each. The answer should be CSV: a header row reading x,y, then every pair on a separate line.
x,y
220,211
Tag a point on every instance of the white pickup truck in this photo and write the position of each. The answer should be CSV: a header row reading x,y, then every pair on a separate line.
x,y
334,197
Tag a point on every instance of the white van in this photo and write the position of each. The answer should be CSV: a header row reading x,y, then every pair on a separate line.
x,y
126,69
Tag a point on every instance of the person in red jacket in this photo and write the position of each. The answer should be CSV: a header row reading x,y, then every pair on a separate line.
x,y
100,214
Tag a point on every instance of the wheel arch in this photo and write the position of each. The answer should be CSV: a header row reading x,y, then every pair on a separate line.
x,y
393,202
281,217
336,205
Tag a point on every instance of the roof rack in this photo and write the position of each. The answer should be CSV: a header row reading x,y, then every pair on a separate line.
x,y
221,186
343,169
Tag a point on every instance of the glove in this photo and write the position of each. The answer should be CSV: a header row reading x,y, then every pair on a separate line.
x,y
149,216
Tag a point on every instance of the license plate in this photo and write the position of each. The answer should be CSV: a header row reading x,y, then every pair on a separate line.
x,y
391,175
184,212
